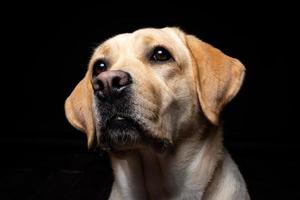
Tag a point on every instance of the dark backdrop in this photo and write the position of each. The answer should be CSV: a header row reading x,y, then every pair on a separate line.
x,y
47,49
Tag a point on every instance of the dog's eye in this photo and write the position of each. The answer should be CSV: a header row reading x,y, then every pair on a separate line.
x,y
99,66
160,54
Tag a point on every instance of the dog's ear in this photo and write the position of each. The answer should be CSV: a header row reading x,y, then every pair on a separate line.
x,y
217,76
78,109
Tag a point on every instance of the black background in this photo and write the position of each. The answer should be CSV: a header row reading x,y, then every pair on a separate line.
x,y
47,48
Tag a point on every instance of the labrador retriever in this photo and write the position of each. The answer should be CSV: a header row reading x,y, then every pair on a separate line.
x,y
152,99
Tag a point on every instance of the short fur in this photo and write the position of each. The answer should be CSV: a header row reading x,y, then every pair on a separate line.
x,y
178,153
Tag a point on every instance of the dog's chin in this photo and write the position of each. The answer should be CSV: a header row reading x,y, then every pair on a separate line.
x,y
120,134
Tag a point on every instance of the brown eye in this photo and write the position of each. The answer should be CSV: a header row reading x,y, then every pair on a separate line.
x,y
160,54
99,66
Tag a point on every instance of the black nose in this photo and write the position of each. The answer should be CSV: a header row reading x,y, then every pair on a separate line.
x,y
111,83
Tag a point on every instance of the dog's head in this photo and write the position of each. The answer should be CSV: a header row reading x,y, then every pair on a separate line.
x,y
152,86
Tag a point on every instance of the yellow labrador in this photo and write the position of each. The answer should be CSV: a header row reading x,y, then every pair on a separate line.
x,y
152,100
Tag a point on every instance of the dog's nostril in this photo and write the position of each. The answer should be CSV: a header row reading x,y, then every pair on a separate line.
x,y
98,85
116,82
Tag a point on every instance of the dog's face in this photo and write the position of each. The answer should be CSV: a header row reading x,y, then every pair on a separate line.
x,y
151,87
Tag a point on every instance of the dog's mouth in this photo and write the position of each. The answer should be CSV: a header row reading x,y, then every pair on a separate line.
x,y
120,127
120,132
121,122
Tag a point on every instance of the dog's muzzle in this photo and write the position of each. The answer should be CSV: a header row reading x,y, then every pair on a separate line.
x,y
119,127
112,90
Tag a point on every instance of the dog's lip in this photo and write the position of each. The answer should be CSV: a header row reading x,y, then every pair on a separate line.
x,y
119,118
123,119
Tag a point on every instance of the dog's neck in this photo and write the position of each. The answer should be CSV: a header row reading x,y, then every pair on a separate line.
x,y
144,174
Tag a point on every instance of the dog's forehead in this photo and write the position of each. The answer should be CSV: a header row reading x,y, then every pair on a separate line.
x,y
144,36
156,35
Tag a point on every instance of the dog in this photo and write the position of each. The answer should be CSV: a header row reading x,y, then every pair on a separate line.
x,y
152,100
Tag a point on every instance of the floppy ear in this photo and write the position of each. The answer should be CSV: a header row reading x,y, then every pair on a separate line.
x,y
218,77
78,109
